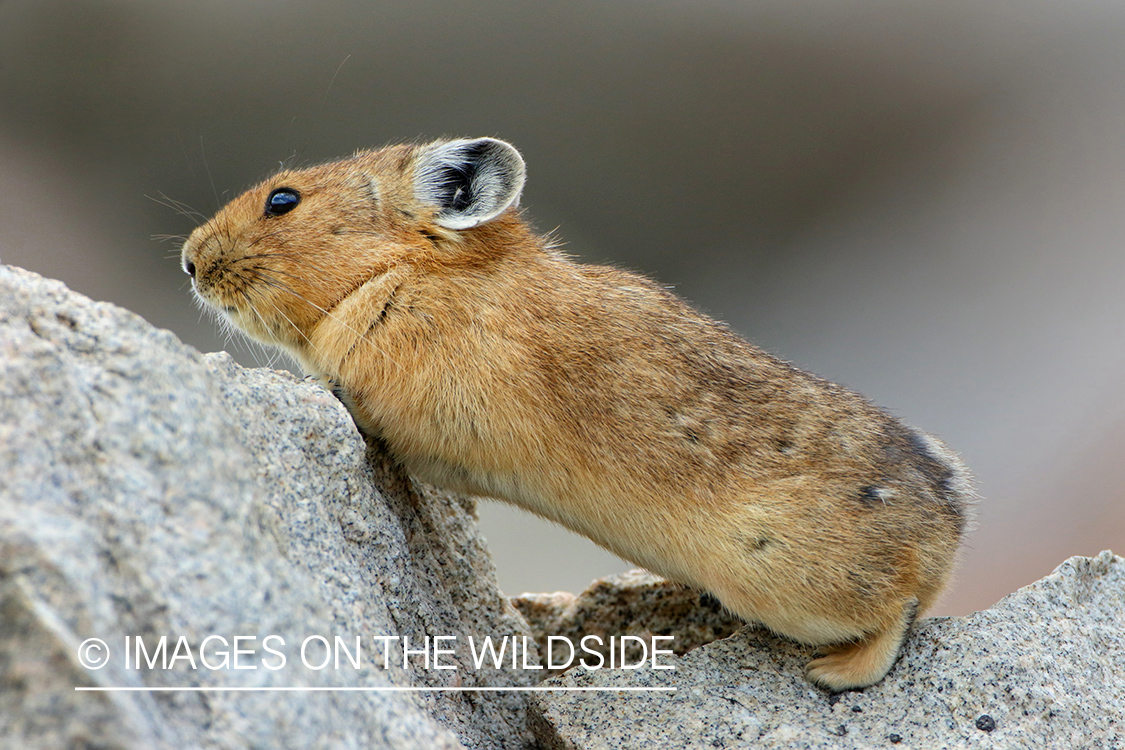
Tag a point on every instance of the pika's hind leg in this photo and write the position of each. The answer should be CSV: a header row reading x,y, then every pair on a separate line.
x,y
863,662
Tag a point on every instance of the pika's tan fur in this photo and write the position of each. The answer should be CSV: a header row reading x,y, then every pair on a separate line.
x,y
491,364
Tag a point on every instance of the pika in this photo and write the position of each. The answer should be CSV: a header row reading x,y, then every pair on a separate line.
x,y
491,364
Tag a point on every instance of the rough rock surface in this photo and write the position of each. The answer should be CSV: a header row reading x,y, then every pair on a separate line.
x,y
148,490
1045,667
636,603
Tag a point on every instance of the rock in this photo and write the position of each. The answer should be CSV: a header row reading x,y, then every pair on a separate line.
x,y
636,603
147,490
1045,667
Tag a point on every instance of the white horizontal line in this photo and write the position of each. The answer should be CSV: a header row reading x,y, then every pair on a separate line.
x,y
393,689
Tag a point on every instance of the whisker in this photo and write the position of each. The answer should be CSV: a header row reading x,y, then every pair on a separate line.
x,y
306,262
263,276
179,207
259,276
249,275
297,257
327,90
207,166
286,288
263,237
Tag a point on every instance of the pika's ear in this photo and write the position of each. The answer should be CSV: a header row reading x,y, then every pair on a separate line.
x,y
470,182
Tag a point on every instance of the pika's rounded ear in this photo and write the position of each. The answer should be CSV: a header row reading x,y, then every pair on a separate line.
x,y
470,181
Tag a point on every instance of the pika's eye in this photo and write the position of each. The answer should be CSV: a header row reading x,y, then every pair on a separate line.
x,y
282,201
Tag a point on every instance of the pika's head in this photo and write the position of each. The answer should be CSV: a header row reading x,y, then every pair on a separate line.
x,y
282,255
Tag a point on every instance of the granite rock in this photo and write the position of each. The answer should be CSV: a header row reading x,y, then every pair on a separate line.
x,y
1044,667
636,603
147,490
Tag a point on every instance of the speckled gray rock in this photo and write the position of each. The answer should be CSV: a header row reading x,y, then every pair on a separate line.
x,y
148,490
635,603
1043,668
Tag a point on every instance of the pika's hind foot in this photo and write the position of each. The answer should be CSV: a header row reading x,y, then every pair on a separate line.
x,y
863,662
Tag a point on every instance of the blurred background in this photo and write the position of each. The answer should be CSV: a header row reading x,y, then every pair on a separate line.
x,y
923,201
